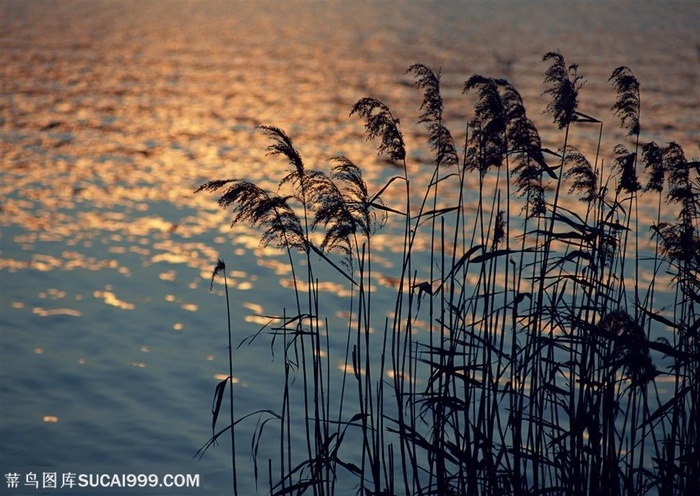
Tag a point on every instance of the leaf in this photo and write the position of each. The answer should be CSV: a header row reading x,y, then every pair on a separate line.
x,y
201,451
459,264
496,253
327,442
218,398
660,318
668,350
581,117
662,410
349,466
380,206
571,256
388,183
436,213
332,264
358,416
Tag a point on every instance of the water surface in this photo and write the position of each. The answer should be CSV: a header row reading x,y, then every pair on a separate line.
x,y
112,113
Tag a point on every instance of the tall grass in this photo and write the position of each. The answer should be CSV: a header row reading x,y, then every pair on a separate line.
x,y
546,365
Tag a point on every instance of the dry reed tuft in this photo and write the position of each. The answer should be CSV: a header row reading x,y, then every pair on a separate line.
x,y
538,369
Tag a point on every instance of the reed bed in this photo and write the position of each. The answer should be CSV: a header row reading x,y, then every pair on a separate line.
x,y
540,367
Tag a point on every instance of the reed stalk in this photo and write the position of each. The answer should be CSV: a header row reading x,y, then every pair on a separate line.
x,y
537,370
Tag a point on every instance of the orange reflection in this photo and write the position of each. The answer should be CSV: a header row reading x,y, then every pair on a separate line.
x,y
56,311
223,377
111,299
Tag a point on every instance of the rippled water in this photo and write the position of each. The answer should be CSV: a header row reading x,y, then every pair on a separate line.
x,y
112,113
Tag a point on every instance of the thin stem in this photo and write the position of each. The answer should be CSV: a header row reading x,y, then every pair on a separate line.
x,y
230,389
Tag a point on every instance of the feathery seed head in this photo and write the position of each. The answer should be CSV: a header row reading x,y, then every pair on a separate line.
x,y
379,122
565,84
628,103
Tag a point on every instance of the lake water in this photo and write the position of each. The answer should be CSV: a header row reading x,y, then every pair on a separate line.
x,y
112,113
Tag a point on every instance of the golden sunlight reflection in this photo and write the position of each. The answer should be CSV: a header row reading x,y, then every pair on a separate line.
x,y
402,375
253,307
190,307
112,115
280,268
110,298
42,312
350,369
52,293
343,314
223,377
338,289
237,279
260,320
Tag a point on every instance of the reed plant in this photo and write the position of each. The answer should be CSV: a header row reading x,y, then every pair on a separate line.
x,y
546,365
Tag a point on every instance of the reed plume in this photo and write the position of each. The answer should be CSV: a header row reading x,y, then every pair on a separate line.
x,y
565,84
525,145
681,240
492,375
630,350
379,122
488,127
253,204
653,158
343,207
625,162
628,103
583,178
440,138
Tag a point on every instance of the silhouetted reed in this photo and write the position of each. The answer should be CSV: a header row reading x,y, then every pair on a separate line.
x,y
539,366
